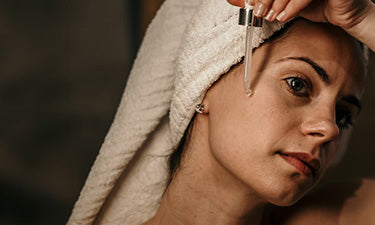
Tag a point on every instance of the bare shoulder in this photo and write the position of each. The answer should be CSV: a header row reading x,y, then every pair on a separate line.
x,y
347,202
360,208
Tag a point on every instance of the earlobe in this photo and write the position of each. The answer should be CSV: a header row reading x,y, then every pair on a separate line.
x,y
201,109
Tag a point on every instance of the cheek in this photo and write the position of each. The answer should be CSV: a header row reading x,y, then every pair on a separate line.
x,y
243,131
241,122
246,132
336,150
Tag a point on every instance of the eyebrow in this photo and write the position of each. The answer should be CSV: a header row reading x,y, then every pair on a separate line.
x,y
353,100
325,78
318,69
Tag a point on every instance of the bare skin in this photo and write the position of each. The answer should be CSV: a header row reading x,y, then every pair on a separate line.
x,y
357,17
353,203
343,203
234,163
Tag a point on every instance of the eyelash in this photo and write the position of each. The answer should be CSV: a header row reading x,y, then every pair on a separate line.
x,y
306,84
348,122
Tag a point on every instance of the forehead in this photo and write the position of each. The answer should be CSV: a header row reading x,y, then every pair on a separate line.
x,y
330,47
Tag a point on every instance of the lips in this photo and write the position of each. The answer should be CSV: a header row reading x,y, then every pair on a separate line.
x,y
304,162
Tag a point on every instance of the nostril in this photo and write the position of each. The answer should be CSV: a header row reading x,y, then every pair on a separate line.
x,y
324,130
317,134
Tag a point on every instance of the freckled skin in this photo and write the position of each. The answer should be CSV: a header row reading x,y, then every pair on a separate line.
x,y
246,132
231,166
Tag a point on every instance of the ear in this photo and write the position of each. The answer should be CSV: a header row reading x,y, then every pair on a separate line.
x,y
205,103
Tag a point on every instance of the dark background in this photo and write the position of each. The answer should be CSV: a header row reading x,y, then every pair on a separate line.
x,y
63,68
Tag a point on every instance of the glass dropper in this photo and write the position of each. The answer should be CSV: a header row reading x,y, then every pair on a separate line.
x,y
247,19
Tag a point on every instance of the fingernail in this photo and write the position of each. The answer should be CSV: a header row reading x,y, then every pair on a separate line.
x,y
259,9
281,16
269,15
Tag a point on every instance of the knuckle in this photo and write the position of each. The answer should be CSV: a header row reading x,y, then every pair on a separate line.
x,y
266,3
278,6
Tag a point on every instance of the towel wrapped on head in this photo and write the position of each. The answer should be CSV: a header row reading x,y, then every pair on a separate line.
x,y
187,47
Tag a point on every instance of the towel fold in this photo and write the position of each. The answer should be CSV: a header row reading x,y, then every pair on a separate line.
x,y
187,47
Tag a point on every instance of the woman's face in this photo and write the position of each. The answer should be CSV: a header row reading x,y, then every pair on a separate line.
x,y
280,141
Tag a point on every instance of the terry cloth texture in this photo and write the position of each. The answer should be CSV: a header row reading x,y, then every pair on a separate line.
x,y
188,45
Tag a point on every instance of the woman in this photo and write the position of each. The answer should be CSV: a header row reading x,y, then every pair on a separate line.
x,y
346,202
240,152
274,146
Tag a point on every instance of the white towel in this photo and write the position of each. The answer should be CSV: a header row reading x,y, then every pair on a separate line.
x,y
188,45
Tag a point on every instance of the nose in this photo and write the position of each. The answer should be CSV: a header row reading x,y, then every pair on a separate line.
x,y
321,125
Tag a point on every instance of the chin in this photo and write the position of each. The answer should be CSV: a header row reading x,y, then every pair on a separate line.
x,y
286,195
285,201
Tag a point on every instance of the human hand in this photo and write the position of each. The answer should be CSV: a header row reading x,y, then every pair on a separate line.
x,y
344,13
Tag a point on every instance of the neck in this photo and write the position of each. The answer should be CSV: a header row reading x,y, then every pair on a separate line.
x,y
184,204
204,192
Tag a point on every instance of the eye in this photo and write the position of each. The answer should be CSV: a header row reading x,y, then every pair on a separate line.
x,y
298,86
343,119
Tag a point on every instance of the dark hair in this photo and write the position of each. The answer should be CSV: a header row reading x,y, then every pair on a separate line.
x,y
175,158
